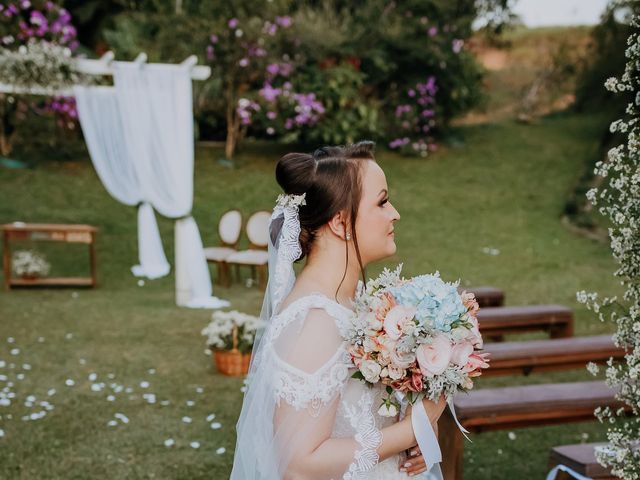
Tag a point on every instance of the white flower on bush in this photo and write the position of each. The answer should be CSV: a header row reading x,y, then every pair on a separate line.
x,y
219,332
30,262
40,64
618,199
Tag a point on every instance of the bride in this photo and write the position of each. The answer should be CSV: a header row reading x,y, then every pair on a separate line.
x,y
303,416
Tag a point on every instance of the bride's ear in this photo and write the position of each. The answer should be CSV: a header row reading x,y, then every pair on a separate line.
x,y
338,225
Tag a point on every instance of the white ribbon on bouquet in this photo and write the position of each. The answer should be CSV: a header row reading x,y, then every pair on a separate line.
x,y
426,437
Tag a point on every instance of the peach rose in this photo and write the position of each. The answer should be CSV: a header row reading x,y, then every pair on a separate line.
x,y
434,359
396,318
476,362
387,302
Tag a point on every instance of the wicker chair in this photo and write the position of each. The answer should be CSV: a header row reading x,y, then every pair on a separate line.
x,y
256,255
229,230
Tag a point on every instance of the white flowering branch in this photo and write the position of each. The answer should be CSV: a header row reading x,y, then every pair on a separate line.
x,y
618,198
40,66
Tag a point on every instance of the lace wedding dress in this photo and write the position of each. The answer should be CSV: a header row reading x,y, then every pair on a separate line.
x,y
303,415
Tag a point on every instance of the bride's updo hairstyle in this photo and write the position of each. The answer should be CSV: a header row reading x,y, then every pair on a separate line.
x,y
331,179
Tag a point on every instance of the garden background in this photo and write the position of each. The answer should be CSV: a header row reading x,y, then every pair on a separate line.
x,y
488,140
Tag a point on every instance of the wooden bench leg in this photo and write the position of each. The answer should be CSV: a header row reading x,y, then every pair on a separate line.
x,y
564,330
451,445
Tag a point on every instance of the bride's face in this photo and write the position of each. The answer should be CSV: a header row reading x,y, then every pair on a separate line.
x,y
376,216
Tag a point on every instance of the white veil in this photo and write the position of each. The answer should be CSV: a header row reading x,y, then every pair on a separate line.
x,y
255,455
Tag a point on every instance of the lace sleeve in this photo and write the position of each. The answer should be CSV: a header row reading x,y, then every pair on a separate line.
x,y
311,366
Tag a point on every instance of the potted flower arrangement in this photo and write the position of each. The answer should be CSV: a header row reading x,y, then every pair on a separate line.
x,y
30,264
230,336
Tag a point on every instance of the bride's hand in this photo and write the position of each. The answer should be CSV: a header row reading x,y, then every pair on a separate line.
x,y
414,464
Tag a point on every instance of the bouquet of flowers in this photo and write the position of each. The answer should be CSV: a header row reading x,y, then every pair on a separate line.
x,y
417,336
29,263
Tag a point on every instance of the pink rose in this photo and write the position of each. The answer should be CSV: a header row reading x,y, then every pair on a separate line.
x,y
475,337
461,352
416,382
434,359
396,318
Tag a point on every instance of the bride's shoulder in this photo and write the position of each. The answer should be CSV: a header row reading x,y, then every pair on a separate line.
x,y
313,307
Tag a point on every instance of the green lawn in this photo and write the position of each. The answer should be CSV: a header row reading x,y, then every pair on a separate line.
x,y
502,186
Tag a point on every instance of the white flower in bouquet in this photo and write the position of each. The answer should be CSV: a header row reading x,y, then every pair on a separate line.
x,y
30,263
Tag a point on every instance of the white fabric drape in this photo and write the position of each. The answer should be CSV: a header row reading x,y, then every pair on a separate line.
x,y
103,131
155,106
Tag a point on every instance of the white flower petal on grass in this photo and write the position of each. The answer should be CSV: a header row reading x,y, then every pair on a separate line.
x,y
92,377
111,376
169,442
111,398
3,364
216,425
5,402
96,387
82,361
128,390
150,397
122,417
11,340
51,392
26,366
3,378
20,376
74,295
1,433
243,389
221,450
199,389
195,444
164,403
40,339
190,403
186,419
211,417
69,383
141,283
14,351
31,398
512,436
144,384
207,351
152,371
69,336
112,423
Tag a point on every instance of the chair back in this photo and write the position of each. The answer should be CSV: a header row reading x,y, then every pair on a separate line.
x,y
230,227
258,229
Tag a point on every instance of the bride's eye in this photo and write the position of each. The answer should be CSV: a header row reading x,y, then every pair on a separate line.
x,y
384,201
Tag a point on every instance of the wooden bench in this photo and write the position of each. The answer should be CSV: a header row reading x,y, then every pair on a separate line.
x,y
581,459
495,322
518,407
486,296
510,358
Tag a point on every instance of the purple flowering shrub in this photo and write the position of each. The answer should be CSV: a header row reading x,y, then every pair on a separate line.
x,y
241,54
25,21
415,119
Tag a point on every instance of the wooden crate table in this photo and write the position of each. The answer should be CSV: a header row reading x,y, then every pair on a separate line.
x,y
50,233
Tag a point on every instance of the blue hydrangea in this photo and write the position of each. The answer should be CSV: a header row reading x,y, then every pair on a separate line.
x,y
438,303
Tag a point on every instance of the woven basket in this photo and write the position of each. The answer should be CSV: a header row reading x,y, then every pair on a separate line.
x,y
232,362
